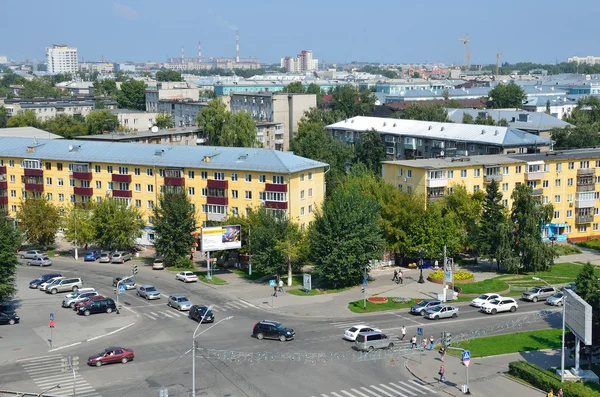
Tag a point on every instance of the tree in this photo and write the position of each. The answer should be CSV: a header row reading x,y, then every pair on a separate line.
x,y
502,123
291,246
425,112
507,96
239,130
3,116
116,224
23,119
464,211
492,219
132,95
39,220
467,118
105,87
587,283
370,151
429,231
323,116
168,75
350,102
211,120
39,87
586,113
10,240
582,136
345,236
485,120
101,121
66,126
78,225
174,222
315,89
164,121
296,88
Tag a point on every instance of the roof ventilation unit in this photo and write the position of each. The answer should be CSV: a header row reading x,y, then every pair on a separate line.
x,y
482,132
159,152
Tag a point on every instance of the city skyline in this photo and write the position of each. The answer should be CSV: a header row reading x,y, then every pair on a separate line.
x,y
137,30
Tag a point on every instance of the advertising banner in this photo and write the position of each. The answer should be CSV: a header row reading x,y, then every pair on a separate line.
x,y
221,238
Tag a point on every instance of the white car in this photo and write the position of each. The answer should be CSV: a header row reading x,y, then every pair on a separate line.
x,y
158,264
44,286
482,299
500,305
351,333
186,277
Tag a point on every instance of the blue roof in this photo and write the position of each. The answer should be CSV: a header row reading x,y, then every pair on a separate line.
x,y
537,121
206,157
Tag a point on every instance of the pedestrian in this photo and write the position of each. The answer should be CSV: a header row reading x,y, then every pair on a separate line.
x,y
192,256
403,332
395,276
400,277
436,265
413,342
85,248
559,393
431,342
275,291
550,393
280,285
442,352
442,371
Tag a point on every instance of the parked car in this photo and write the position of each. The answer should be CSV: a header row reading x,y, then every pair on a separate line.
x,y
78,296
272,330
121,257
500,305
186,277
538,293
477,302
420,307
7,307
351,333
43,286
148,292
106,305
40,261
441,311
105,257
66,284
110,356
201,313
89,300
158,264
129,283
91,255
31,254
369,341
9,318
179,302
557,299
42,279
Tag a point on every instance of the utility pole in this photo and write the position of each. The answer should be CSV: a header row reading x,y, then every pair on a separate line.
x,y
72,364
444,286
75,228
364,288
562,349
498,55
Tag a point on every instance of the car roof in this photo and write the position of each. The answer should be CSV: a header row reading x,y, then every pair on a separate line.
x,y
361,326
178,296
147,286
372,333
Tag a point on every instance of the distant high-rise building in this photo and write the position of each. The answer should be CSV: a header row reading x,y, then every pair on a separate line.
x,y
589,60
303,62
3,59
62,59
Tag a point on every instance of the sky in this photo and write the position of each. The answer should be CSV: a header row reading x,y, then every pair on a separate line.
x,y
394,31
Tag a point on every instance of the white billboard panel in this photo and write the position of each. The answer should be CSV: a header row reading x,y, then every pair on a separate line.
x,y
578,316
221,238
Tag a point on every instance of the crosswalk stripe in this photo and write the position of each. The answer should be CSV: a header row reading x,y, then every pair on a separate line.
x,y
361,394
346,393
369,391
235,305
410,387
176,313
149,316
324,395
423,386
247,304
43,358
394,391
336,394
166,314
382,391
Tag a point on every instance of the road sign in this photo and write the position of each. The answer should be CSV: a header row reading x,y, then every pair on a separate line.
x,y
420,331
122,288
365,282
307,282
466,358
51,316
273,283
52,324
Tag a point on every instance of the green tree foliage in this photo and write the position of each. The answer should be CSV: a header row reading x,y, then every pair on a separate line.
x,y
105,87
464,211
502,123
389,73
39,220
370,151
424,112
239,130
575,137
40,87
168,75
345,236
117,225
491,224
132,95
66,126
101,121
586,113
60,78
164,121
323,116
3,116
10,240
295,87
23,119
174,221
350,102
587,284
507,96
211,120
485,120
429,231
467,118
78,224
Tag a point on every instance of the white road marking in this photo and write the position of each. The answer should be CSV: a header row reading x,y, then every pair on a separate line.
x,y
110,333
63,347
149,316
423,386
346,393
166,314
369,391
409,386
383,391
42,358
396,391
359,393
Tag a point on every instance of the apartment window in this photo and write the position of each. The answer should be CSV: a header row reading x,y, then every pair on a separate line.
x,y
558,167
138,203
13,193
150,188
191,190
546,167
248,177
557,198
123,170
234,194
556,214
504,170
569,213
262,178
450,174
569,198
557,183
109,169
234,211
568,230
302,211
545,199
505,187
476,172
571,165
310,176
149,172
597,164
310,209
11,163
48,181
234,177
13,208
72,182
505,203
595,227
463,173
518,169
409,173
48,166
310,192
248,195
59,166
582,228
570,182
123,186
150,204
278,179
137,187
190,174
204,192
136,171
302,195
545,183
97,169
98,185
219,176
161,173
302,175
204,175
61,197
476,188
151,220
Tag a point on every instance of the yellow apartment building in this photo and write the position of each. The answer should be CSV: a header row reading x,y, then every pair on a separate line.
x,y
567,179
220,181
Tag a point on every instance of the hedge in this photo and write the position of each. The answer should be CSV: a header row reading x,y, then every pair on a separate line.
x,y
546,380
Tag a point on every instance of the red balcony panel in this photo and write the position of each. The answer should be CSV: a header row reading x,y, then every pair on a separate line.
x,y
212,183
217,200
81,205
84,191
3,199
86,176
2,170
34,187
279,205
174,181
276,187
3,185
122,193
121,178
33,172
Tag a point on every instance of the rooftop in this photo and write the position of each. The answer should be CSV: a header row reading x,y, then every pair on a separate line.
x,y
523,120
118,136
27,132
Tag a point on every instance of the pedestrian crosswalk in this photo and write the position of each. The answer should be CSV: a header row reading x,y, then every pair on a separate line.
x,y
232,305
47,373
408,388
348,324
170,313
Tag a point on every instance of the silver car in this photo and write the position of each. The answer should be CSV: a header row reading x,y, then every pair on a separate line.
x,y
369,341
105,257
121,257
557,299
52,281
39,261
32,254
422,306
441,311
78,296
179,302
538,293
148,292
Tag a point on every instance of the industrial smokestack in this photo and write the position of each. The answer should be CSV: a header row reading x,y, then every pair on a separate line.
x,y
199,51
182,56
237,46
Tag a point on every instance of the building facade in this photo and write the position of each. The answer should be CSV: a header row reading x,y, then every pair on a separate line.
x,y
302,63
62,59
568,180
47,108
169,90
589,60
184,111
220,181
187,136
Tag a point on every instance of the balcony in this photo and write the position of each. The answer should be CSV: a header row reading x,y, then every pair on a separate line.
x,y
276,187
172,181
3,185
435,197
84,191
410,144
579,219
34,187
122,193
2,170
217,200
213,183
534,176
3,199
585,203
33,172
437,182
494,177
586,171
585,188
279,141
121,178
84,176
276,205
537,192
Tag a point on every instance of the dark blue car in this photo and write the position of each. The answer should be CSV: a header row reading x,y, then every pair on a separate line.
x,y
36,283
91,255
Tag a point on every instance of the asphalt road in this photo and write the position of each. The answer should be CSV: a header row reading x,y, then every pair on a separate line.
x,y
230,362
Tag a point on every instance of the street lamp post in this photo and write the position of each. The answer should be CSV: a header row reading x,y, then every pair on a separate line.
x,y
194,345
47,390
75,228
421,280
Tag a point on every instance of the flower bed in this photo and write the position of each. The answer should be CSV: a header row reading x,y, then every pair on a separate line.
x,y
377,299
460,277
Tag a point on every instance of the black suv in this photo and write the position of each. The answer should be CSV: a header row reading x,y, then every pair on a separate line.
x,y
106,305
197,312
272,330
36,283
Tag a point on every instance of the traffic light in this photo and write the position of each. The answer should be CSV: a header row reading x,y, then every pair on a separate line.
x,y
448,340
64,365
134,269
75,363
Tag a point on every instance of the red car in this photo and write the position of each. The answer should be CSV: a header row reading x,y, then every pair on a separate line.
x,y
92,298
111,355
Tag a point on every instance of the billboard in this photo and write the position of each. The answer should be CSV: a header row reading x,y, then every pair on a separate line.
x,y
221,238
578,316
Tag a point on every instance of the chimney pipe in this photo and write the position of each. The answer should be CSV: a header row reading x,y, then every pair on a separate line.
x,y
237,46
199,51
182,55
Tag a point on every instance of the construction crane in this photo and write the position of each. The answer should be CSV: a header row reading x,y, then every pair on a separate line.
x,y
498,55
465,41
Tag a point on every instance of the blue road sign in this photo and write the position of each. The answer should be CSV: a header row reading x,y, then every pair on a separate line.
x,y
51,316
365,282
420,331
466,355
122,288
273,283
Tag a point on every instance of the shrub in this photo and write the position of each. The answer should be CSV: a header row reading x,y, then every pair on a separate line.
x,y
183,262
546,380
566,249
592,243
458,276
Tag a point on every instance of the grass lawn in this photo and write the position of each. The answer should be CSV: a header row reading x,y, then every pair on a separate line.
x,y
244,273
511,343
314,291
481,287
357,306
297,279
201,276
